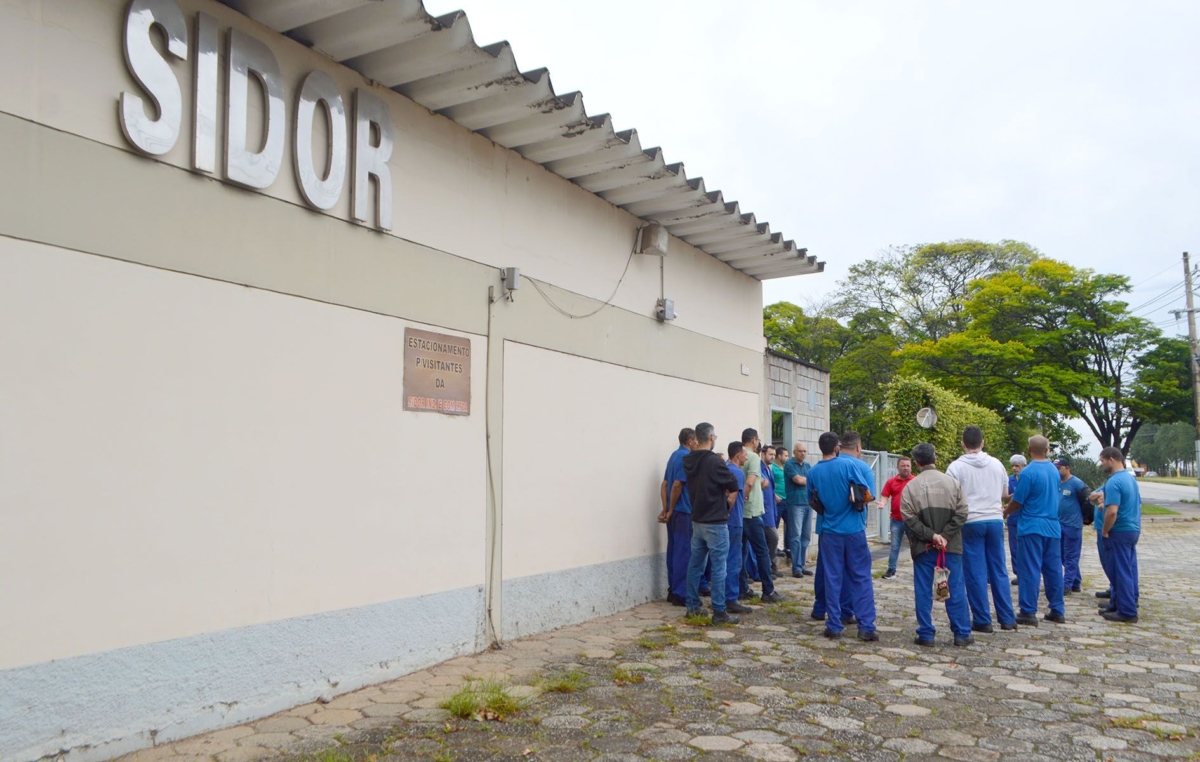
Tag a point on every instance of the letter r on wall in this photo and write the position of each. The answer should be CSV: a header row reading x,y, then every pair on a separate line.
x,y
371,114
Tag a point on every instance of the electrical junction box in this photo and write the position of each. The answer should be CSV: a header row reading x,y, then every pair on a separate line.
x,y
512,278
665,310
654,240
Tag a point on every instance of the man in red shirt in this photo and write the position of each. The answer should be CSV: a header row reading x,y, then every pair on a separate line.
x,y
892,489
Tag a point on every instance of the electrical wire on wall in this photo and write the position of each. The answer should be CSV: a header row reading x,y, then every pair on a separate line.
x,y
611,296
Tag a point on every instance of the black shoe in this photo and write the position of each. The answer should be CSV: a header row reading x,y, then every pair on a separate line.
x,y
676,600
816,616
1012,626
831,634
889,574
1077,589
1113,616
746,596
982,628
964,642
1014,581
772,597
694,612
1056,618
868,637
1027,619
798,574
849,620
705,593
924,643
1104,594
737,608
1105,610
723,617
806,572
1067,591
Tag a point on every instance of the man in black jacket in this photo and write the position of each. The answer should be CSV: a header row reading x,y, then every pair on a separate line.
x,y
712,489
934,510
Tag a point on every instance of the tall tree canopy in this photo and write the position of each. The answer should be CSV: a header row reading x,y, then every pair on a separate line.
x,y
1054,339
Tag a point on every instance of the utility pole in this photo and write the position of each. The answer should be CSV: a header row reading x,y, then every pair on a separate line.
x,y
1195,355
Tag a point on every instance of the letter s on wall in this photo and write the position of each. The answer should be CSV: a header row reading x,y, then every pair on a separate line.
x,y
154,137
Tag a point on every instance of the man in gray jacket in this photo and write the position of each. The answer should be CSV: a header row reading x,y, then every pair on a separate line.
x,y
934,510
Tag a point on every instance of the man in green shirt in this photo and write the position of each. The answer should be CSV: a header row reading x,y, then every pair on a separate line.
x,y
754,539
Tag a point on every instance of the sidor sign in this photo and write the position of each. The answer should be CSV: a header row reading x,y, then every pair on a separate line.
x,y
437,372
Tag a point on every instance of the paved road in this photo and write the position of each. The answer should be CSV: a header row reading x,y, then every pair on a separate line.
x,y
773,689
1159,494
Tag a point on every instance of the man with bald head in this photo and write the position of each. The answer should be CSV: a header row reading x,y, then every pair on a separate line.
x,y
1039,535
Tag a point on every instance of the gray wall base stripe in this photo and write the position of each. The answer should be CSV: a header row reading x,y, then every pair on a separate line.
x,y
543,602
96,707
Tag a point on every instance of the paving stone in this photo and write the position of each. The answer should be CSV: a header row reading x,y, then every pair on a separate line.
x,y
716,743
741,707
280,724
840,723
720,635
1104,743
694,644
564,721
910,746
770,752
908,710
760,736
427,715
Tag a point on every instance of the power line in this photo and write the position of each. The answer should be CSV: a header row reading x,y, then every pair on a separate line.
x,y
1161,295
606,302
1152,277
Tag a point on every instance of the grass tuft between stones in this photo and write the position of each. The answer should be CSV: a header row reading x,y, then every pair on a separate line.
x,y
565,682
482,700
622,676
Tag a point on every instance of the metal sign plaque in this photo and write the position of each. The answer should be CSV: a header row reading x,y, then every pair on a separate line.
x,y
437,373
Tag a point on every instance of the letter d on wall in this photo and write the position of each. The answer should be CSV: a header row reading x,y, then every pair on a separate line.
x,y
254,170
153,136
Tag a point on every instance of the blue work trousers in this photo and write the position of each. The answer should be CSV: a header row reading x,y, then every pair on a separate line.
x,y
754,539
1014,545
819,609
897,539
1122,559
679,550
1072,549
956,604
1102,552
848,564
733,566
1040,561
797,536
983,565
709,542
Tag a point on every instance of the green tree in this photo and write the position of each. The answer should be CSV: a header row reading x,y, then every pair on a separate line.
x,y
1165,447
921,289
1058,340
818,340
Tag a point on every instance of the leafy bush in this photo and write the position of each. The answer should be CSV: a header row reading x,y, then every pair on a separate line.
x,y
908,394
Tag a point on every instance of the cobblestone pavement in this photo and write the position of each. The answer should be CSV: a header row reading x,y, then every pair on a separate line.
x,y
772,688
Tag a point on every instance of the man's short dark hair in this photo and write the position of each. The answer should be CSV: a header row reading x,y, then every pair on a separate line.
x,y
828,443
704,432
686,435
851,439
972,437
749,435
1113,453
768,447
903,458
734,449
924,454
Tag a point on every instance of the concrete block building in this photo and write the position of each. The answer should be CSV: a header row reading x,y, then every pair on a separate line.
x,y
301,306
795,400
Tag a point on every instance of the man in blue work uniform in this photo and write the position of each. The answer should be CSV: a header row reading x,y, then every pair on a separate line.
x,y
677,515
1039,535
1016,462
1072,505
844,535
828,444
733,567
797,534
712,490
1122,526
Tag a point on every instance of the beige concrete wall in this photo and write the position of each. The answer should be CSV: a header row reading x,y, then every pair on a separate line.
x,y
454,190
578,489
181,455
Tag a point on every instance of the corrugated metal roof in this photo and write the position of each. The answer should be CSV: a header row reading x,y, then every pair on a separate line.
x,y
436,62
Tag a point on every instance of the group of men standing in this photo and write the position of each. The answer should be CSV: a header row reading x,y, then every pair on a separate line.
x,y
718,521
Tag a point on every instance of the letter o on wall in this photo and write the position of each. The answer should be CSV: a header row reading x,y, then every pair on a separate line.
x,y
320,189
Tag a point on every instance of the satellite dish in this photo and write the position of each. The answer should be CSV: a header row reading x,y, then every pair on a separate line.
x,y
926,418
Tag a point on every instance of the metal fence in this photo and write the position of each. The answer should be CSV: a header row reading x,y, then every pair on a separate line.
x,y
884,464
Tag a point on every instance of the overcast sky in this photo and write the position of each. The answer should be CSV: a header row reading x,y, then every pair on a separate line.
x,y
851,126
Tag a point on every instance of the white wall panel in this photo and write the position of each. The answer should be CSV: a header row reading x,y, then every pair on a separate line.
x,y
180,455
585,445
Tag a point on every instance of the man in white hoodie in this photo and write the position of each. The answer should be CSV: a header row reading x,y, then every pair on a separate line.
x,y
985,484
